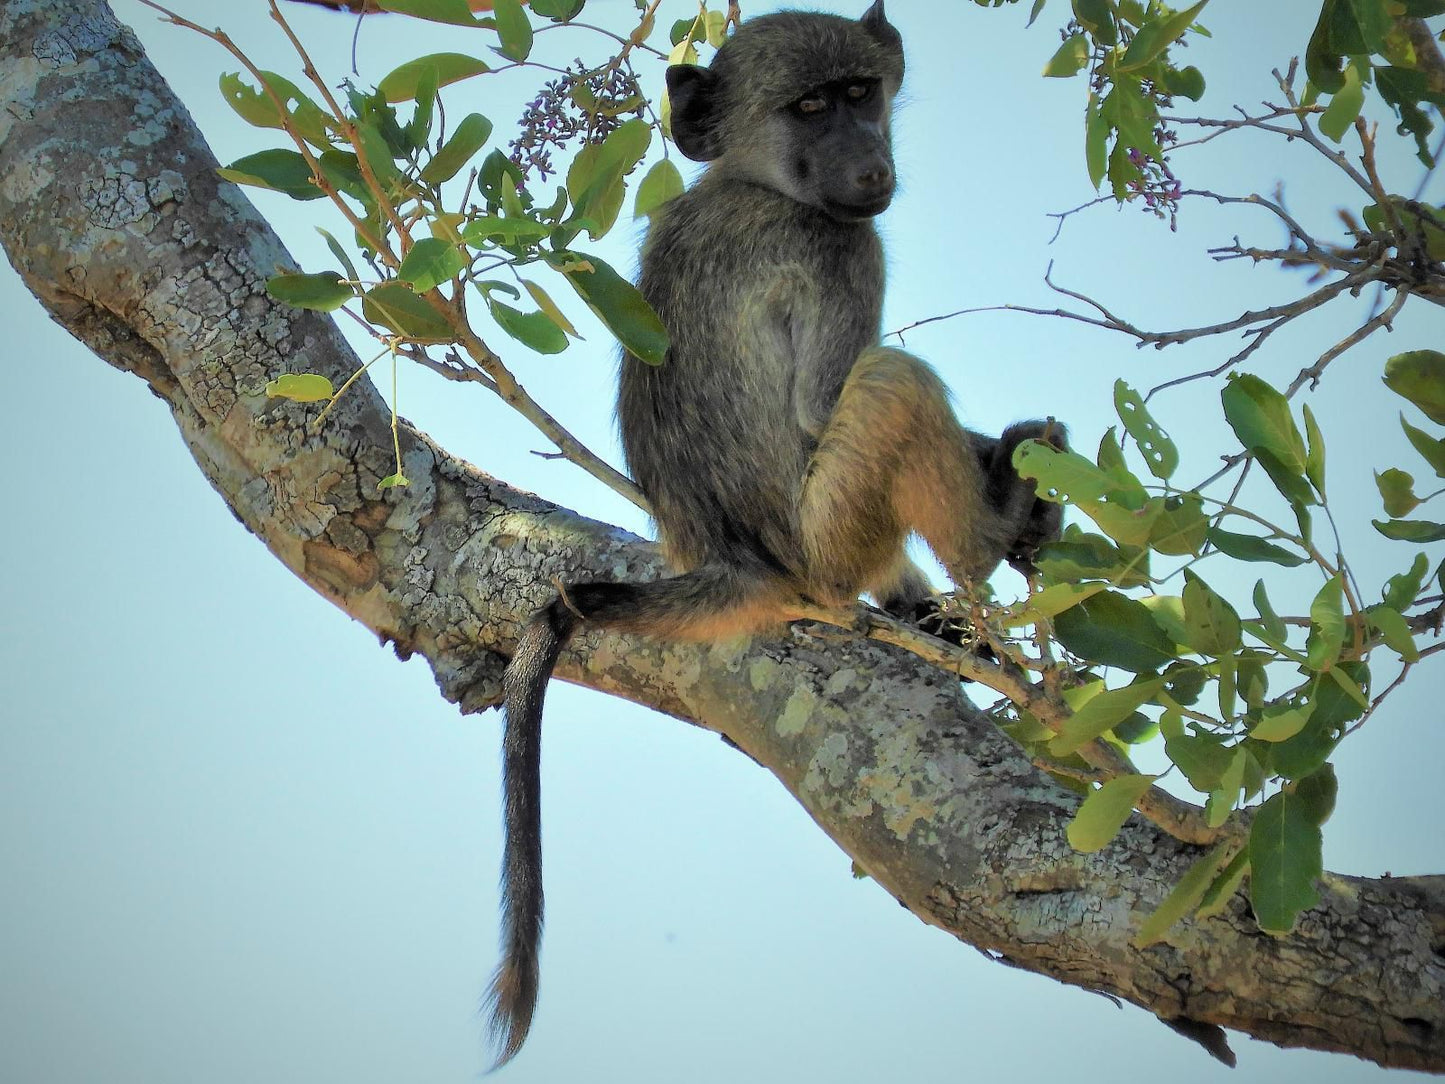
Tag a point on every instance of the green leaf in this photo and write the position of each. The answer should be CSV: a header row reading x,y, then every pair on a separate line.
x,y
340,253
1185,896
1203,759
1327,625
1096,142
279,170
468,138
1156,35
1181,527
1048,603
1281,721
1168,613
1286,859
1184,82
1097,17
301,387
617,304
455,12
1104,812
1154,444
1334,709
1100,713
430,263
1111,457
1433,450
1114,630
1323,61
547,305
662,184
559,11
1246,547
1080,555
1292,484
394,306
1260,417
374,151
1419,376
1318,791
322,292
392,480
595,178
1128,526
1222,890
1315,459
1070,59
1232,779
1402,589
1227,687
1411,530
1394,630
1253,678
402,84
1184,682
533,329
1339,116
1210,622
1397,491
343,173
514,28
1273,626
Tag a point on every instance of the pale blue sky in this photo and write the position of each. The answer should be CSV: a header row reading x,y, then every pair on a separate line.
x,y
239,842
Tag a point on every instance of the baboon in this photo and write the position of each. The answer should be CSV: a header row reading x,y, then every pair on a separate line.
x,y
787,455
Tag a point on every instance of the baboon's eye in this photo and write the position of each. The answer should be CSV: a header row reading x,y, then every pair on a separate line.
x,y
811,104
859,92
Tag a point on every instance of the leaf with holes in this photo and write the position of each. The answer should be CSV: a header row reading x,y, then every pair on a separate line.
x,y
1154,444
301,387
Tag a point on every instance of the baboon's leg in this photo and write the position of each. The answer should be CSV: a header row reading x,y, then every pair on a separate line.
x,y
893,459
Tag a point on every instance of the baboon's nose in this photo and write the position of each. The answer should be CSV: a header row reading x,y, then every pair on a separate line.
x,y
874,179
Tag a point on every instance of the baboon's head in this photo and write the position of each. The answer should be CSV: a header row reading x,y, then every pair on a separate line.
x,y
798,102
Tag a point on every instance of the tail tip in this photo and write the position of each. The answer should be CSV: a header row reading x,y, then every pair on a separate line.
x,y
509,1003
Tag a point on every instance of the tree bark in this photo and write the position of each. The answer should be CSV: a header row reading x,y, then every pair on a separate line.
x,y
111,211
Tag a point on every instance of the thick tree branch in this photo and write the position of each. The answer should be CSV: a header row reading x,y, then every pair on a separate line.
x,y
111,211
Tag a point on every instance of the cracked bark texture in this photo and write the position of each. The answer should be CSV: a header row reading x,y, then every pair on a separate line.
x,y
111,212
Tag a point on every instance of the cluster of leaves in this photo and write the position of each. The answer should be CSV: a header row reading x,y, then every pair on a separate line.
x,y
386,172
1342,61
1125,46
1249,705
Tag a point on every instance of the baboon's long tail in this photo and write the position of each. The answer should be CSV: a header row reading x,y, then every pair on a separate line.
x,y
709,601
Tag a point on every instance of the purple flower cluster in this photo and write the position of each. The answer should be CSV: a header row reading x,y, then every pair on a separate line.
x,y
1156,184
584,103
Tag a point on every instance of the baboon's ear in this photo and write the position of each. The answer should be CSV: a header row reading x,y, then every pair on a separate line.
x,y
875,21
693,93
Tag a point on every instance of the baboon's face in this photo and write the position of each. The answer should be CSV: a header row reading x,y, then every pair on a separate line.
x,y
837,155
